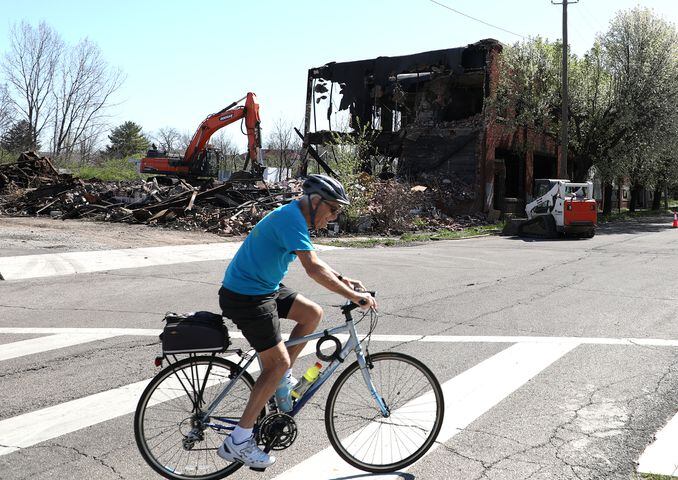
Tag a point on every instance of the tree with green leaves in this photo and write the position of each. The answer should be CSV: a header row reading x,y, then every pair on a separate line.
x,y
18,138
593,130
127,139
641,51
528,92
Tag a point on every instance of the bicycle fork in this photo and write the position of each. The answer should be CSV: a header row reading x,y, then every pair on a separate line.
x,y
365,370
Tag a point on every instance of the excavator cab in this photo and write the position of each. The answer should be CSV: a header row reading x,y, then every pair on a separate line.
x,y
206,163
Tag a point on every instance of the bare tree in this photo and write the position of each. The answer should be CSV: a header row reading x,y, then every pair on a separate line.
x,y
223,142
184,141
29,67
283,145
6,110
169,139
87,145
82,90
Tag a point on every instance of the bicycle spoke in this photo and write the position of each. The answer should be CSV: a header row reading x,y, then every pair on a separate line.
x,y
169,414
367,439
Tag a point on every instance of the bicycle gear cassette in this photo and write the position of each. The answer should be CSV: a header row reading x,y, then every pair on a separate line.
x,y
277,431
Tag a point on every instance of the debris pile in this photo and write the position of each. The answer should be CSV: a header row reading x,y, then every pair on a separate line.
x,y
396,207
32,186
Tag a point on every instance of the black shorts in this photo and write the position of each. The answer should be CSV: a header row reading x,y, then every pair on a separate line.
x,y
257,316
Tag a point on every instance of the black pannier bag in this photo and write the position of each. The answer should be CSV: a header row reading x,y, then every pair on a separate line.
x,y
193,333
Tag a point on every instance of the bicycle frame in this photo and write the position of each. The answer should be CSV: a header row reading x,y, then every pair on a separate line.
x,y
352,344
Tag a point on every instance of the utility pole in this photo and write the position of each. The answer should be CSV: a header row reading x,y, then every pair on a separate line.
x,y
565,121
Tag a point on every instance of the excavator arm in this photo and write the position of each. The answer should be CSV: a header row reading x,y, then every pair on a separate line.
x,y
224,117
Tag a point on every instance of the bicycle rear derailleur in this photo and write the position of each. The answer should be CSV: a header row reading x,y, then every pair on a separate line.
x,y
277,431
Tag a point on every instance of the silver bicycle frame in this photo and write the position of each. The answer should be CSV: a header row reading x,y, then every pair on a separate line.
x,y
352,344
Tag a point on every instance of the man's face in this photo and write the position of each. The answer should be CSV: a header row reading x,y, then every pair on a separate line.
x,y
327,212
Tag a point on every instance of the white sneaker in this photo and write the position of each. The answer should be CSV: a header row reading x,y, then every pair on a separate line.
x,y
247,452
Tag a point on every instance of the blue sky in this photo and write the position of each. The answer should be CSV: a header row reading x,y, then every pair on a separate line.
x,y
186,59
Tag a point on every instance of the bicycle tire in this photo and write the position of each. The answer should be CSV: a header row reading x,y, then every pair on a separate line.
x,y
402,370
173,395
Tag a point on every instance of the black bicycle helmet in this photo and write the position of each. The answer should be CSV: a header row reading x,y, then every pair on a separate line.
x,y
327,187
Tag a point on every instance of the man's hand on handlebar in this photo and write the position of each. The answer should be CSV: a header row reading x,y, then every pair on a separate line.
x,y
365,300
356,285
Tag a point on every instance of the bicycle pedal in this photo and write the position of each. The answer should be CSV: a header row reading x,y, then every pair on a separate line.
x,y
258,469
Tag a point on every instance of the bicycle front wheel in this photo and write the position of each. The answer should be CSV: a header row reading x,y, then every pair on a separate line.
x,y
168,426
371,441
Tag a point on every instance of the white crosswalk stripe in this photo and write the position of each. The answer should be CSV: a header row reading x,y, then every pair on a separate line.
x,y
51,422
53,264
51,342
467,396
661,457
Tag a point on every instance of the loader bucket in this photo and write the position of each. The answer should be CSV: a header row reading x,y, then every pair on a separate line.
x,y
543,226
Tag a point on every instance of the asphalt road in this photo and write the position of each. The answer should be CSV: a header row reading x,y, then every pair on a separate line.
x,y
588,412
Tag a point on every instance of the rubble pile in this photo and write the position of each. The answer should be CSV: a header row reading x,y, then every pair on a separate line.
x,y
32,186
396,207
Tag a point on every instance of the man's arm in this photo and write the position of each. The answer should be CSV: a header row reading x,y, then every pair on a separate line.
x,y
326,276
324,264
351,283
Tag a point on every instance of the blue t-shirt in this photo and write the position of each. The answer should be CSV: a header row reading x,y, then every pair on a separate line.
x,y
264,257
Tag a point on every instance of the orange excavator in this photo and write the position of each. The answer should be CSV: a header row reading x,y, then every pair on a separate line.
x,y
200,160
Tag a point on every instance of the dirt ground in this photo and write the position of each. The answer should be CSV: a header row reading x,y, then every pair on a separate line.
x,y
30,235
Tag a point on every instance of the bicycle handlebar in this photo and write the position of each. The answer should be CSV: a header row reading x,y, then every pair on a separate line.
x,y
350,306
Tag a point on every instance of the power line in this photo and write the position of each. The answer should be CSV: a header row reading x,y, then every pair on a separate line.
x,y
477,19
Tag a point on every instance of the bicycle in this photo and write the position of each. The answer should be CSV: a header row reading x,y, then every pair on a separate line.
x,y
197,400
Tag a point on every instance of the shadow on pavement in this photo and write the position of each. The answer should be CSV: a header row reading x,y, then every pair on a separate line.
x,y
638,225
631,226
403,475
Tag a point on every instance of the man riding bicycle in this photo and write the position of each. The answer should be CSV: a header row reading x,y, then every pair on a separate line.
x,y
254,298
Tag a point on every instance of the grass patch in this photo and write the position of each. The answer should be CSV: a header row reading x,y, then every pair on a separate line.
x,y
653,476
409,238
114,169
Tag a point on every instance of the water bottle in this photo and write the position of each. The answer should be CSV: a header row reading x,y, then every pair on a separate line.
x,y
309,377
282,396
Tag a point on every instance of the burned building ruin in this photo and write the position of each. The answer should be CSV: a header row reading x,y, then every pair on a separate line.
x,y
430,113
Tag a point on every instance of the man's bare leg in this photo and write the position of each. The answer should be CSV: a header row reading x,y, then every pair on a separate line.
x,y
274,361
307,314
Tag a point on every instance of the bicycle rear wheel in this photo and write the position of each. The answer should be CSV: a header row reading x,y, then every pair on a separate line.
x,y
167,429
370,441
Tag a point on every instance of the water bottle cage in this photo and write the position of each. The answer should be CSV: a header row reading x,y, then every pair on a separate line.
x,y
337,348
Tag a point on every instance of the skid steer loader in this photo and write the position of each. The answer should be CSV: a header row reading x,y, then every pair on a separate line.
x,y
560,208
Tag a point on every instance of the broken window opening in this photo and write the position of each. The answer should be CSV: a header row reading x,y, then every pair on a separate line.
x,y
544,166
514,164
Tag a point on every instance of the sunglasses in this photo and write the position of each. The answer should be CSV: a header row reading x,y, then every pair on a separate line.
x,y
335,209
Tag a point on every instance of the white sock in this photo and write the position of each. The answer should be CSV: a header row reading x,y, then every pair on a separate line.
x,y
239,434
288,373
